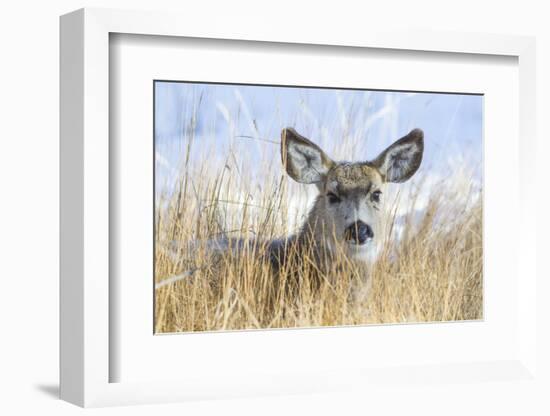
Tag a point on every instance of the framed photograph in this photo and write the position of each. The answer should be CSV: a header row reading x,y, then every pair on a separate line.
x,y
241,243
282,213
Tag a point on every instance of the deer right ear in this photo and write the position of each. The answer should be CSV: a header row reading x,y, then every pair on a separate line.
x,y
303,160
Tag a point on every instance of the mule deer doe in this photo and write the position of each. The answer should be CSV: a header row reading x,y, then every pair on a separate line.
x,y
345,217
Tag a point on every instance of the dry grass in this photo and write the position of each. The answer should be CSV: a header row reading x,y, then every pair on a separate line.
x,y
429,268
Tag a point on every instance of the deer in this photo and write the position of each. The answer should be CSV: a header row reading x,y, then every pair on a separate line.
x,y
346,211
345,217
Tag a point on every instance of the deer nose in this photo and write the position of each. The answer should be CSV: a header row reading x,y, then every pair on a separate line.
x,y
359,233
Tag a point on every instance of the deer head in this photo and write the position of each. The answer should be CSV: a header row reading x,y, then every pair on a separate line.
x,y
350,193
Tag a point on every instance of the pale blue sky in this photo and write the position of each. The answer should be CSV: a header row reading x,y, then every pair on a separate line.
x,y
215,115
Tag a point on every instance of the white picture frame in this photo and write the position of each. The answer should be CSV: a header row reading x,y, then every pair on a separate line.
x,y
85,221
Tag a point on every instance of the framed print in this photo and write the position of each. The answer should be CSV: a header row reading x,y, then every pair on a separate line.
x,y
286,222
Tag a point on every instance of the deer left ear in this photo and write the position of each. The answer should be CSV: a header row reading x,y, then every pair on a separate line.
x,y
402,159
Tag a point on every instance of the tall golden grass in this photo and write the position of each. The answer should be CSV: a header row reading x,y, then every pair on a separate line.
x,y
429,265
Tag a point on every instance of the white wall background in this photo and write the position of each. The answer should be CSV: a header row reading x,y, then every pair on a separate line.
x,y
29,57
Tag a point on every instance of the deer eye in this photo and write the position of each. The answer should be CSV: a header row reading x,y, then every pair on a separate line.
x,y
375,196
332,198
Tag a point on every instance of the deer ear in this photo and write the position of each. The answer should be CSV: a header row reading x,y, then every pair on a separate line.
x,y
402,159
303,160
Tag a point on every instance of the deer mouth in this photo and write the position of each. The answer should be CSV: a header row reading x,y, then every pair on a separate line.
x,y
359,246
359,243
